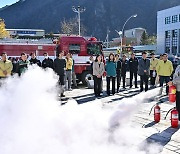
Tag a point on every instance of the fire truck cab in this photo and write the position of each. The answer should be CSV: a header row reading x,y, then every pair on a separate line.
x,y
82,49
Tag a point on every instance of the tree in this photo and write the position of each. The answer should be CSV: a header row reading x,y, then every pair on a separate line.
x,y
152,39
71,27
3,32
148,39
144,38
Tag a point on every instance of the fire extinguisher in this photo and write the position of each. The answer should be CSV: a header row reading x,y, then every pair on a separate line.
x,y
172,94
174,117
157,113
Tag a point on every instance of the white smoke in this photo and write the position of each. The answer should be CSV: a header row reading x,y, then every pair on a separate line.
x,y
128,106
33,122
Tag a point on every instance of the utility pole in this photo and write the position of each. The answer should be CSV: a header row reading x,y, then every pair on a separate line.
x,y
79,10
107,38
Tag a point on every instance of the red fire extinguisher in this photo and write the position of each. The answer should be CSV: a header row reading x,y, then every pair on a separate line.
x,y
174,117
157,113
172,94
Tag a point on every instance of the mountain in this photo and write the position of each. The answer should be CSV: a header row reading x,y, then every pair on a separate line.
x,y
98,17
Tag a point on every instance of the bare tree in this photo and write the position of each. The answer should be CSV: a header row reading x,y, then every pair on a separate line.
x,y
71,27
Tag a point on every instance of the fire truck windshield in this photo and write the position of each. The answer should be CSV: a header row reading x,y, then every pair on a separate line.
x,y
94,49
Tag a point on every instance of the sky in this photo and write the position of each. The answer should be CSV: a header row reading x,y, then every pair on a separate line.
x,y
6,2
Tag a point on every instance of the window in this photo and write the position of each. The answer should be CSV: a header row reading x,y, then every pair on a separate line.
x,y
174,41
167,40
167,20
74,48
179,17
167,34
94,49
174,18
174,33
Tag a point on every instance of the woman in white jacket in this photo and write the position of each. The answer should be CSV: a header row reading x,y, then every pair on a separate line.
x,y
98,70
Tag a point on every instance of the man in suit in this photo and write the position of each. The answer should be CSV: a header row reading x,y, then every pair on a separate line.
x,y
143,71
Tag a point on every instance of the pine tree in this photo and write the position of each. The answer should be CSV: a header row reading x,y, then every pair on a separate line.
x,y
144,38
3,31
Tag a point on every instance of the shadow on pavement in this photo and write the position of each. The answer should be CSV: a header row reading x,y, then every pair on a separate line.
x,y
115,99
91,94
160,138
85,100
163,99
149,124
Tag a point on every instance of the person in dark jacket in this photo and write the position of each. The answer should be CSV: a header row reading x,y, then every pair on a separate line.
x,y
124,68
118,71
22,65
111,73
144,71
133,68
34,60
14,62
47,62
59,68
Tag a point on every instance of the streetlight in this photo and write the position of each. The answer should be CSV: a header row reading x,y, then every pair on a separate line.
x,y
122,32
79,10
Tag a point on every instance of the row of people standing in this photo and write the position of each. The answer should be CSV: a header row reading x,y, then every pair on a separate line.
x,y
159,70
63,67
116,69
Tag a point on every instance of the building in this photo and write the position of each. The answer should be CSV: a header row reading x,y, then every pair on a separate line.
x,y
135,33
168,31
26,32
131,37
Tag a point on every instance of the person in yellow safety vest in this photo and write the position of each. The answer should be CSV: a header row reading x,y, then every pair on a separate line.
x,y
5,66
69,65
164,70
153,65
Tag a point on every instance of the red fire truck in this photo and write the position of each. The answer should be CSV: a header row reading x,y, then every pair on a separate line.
x,y
81,48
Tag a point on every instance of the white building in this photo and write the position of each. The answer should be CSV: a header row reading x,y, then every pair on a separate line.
x,y
168,31
131,36
26,32
135,33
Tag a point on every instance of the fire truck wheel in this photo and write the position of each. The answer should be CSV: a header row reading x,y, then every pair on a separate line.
x,y
86,76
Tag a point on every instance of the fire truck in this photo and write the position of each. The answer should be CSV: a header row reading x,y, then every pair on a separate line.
x,y
80,47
